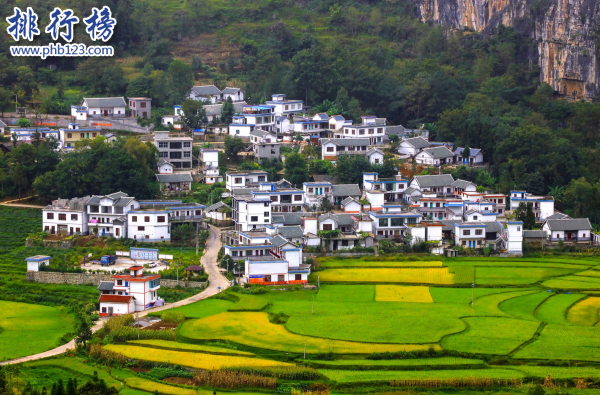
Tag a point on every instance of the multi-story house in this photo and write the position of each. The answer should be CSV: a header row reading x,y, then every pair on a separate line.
x,y
392,225
315,192
441,184
393,188
433,208
470,234
66,217
283,266
179,212
209,159
369,128
244,179
282,199
332,148
249,213
285,107
108,214
140,107
241,244
70,136
543,206
133,292
213,95
252,116
344,224
475,156
500,201
148,225
177,149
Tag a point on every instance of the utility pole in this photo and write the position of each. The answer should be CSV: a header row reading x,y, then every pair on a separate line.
x,y
138,322
318,281
313,304
304,348
473,294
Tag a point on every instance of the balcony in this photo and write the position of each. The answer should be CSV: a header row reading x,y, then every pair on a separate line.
x,y
570,239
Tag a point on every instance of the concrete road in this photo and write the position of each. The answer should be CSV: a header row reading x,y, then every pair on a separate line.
x,y
215,278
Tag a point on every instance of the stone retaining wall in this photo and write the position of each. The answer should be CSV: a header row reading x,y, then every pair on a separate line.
x,y
95,278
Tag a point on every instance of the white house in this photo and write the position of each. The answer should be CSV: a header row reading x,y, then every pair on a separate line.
x,y
440,184
135,286
207,93
28,134
282,124
475,156
351,205
369,128
219,212
35,262
434,156
95,107
513,237
470,234
283,266
285,107
240,179
108,214
164,167
236,94
210,165
393,225
332,148
262,136
543,206
337,124
410,147
568,229
375,156
66,217
2,128
148,225
249,213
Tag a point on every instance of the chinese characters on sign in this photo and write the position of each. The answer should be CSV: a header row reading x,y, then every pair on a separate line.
x,y
100,25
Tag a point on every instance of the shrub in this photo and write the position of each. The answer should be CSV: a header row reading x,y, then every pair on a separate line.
x,y
116,323
172,317
111,358
162,372
233,379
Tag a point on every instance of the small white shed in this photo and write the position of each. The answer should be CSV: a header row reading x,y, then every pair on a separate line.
x,y
34,262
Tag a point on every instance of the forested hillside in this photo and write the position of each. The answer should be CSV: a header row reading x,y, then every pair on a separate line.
x,y
374,57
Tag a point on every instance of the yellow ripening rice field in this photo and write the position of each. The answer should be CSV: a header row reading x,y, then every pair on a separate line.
x,y
402,293
151,386
190,359
585,312
254,329
432,275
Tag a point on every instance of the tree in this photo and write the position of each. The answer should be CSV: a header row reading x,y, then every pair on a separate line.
x,y
227,263
524,212
295,169
326,205
233,145
183,232
6,97
194,114
227,111
466,153
349,169
179,80
84,331
24,123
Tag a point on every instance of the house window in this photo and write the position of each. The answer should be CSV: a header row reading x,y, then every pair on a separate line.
x,y
163,154
254,218
238,180
117,231
379,130
281,277
329,149
119,282
274,198
81,135
104,309
518,228
266,213
50,216
478,242
187,144
93,134
62,217
160,218
141,228
383,222
297,198
267,278
466,232
310,190
478,232
69,135
163,144
187,154
198,212
327,227
371,131
134,218
361,132
143,104
500,201
298,277
73,217
474,218
266,204
397,221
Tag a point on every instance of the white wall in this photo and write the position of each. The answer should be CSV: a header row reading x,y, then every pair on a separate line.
x,y
81,222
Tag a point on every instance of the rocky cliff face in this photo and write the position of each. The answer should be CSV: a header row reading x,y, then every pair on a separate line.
x,y
567,34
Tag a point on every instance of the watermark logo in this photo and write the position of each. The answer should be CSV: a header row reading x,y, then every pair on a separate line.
x,y
23,24
100,25
60,19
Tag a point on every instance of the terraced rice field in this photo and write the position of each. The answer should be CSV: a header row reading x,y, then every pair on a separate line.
x,y
402,363
440,275
585,312
401,293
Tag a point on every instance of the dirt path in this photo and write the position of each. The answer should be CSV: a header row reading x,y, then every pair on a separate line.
x,y
11,203
215,278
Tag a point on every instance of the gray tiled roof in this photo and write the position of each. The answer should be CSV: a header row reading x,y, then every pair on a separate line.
x,y
179,177
373,150
348,200
449,224
206,90
121,220
290,232
229,90
461,183
106,286
322,178
2,124
439,152
459,150
215,109
346,142
418,142
493,226
290,218
124,201
163,162
399,129
116,195
541,234
558,216
105,101
410,190
216,206
260,133
569,224
440,180
345,190
278,241
341,219
327,216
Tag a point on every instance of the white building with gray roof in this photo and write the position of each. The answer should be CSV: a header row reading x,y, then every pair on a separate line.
x,y
435,156
410,147
96,107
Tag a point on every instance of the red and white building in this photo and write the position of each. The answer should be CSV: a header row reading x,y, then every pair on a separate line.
x,y
131,292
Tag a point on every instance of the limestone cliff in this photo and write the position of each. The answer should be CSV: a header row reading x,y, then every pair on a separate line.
x,y
567,34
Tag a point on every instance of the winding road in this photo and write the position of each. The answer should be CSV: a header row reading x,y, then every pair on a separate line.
x,y
215,278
